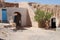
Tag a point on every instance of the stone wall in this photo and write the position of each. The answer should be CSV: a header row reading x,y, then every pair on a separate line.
x,y
55,9
7,4
11,4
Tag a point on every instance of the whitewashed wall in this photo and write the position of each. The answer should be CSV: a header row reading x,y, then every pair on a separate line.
x,y
10,14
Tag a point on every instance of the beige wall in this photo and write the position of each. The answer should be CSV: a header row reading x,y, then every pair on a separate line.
x,y
0,14
10,14
30,13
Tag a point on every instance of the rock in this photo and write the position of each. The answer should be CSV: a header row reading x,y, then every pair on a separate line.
x,y
1,39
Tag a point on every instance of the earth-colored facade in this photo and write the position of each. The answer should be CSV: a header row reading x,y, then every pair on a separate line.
x,y
55,9
31,7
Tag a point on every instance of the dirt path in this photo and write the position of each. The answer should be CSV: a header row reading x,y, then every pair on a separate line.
x,y
29,34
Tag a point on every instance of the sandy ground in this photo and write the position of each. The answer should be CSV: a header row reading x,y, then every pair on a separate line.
x,y
29,34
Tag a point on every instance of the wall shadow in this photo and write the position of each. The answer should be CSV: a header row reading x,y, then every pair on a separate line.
x,y
28,21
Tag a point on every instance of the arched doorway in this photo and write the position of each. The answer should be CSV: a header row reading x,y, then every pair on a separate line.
x,y
18,17
53,23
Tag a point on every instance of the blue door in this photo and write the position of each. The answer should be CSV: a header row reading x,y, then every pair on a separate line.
x,y
4,15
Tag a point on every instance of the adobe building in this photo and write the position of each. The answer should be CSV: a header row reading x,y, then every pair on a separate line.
x,y
55,9
7,11
7,14
27,11
32,7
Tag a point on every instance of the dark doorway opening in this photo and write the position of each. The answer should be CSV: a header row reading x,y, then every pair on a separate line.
x,y
53,23
18,17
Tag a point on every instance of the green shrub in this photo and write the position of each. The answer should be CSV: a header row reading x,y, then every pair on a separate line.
x,y
42,16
